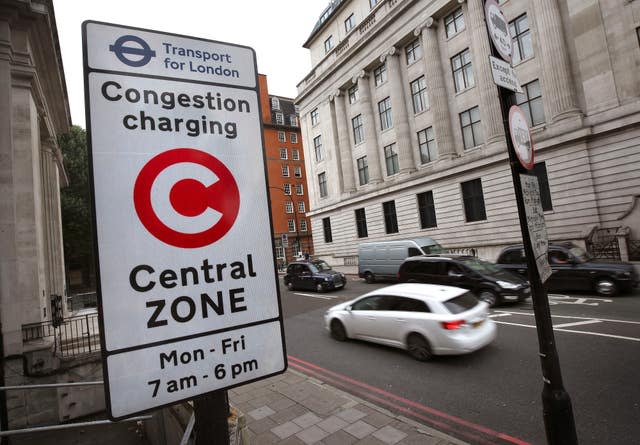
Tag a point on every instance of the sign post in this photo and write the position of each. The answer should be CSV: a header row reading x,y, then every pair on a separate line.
x,y
557,411
187,285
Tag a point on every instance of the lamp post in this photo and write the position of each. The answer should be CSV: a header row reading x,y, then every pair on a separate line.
x,y
295,220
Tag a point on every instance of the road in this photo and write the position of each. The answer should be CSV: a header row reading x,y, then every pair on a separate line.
x,y
492,396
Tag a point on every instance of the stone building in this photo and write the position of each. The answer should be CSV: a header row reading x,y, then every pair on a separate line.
x,y
405,137
34,111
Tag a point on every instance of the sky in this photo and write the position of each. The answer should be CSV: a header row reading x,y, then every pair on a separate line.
x,y
275,29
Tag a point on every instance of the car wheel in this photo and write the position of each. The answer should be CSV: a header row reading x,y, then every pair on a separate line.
x,y
419,347
369,278
337,330
290,285
606,287
319,287
489,296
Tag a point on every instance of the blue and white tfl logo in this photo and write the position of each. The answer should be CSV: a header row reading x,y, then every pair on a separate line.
x,y
137,53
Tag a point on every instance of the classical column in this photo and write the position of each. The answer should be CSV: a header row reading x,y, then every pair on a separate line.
x,y
438,97
560,93
344,146
487,91
370,134
399,111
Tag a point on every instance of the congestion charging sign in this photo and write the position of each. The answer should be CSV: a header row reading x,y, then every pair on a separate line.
x,y
188,294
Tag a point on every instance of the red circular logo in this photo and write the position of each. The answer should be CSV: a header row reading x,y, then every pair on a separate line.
x,y
188,197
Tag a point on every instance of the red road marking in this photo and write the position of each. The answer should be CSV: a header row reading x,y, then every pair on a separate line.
x,y
347,382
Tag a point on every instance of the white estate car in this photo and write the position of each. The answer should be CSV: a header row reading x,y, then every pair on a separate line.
x,y
424,319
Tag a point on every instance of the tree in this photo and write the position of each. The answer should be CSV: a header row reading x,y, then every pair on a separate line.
x,y
76,209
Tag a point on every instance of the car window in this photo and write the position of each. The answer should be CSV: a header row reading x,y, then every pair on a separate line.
x,y
373,303
461,303
557,256
431,267
404,304
414,251
580,254
454,269
480,266
321,265
514,256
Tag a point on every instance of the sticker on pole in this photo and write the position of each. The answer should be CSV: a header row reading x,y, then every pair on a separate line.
x,y
521,137
498,29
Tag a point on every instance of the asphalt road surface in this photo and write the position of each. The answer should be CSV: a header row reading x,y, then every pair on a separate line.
x,y
492,396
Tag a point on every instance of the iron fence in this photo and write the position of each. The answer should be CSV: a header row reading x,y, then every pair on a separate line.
x,y
75,336
634,249
603,244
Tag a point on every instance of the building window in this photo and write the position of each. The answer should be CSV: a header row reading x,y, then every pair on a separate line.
x,y
285,171
299,189
530,100
391,159
390,217
384,111
328,44
279,249
419,94
540,170
322,184
317,148
349,23
288,207
314,116
295,154
282,137
462,70
293,137
380,74
301,208
454,22
287,189
413,51
303,225
293,120
521,39
372,3
283,153
427,144
427,210
473,200
279,119
358,129
291,225
353,94
363,170
471,127
326,228
275,103
361,223
297,172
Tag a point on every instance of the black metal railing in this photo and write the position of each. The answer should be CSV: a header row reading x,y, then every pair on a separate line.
x,y
634,249
73,337
603,244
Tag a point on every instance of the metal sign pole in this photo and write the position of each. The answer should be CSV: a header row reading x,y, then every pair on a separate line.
x,y
556,404
211,414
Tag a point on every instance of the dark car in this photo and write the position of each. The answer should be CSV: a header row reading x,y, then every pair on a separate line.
x,y
313,275
574,270
489,282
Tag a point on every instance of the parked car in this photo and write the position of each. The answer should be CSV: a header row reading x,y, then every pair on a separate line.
x,y
486,280
423,319
574,270
380,260
313,275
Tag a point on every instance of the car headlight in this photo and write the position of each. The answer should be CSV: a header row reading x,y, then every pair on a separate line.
x,y
507,285
327,279
625,274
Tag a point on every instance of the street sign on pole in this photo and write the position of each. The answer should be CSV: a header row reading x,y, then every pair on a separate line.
x,y
521,137
535,223
188,294
498,28
504,75
285,240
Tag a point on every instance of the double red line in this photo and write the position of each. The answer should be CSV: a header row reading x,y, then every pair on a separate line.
x,y
446,423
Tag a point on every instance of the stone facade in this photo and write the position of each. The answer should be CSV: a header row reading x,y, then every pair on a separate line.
x,y
34,110
578,62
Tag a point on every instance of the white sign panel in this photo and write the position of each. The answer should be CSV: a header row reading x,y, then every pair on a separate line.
x,y
188,291
504,75
536,224
498,28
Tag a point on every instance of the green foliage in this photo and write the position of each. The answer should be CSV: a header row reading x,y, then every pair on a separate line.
x,y
76,203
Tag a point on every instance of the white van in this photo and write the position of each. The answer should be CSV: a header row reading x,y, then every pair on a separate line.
x,y
382,259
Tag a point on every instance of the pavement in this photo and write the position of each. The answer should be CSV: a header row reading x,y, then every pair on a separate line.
x,y
293,408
